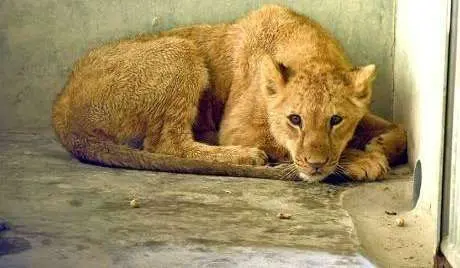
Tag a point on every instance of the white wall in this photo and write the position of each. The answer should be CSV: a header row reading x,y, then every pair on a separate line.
x,y
420,81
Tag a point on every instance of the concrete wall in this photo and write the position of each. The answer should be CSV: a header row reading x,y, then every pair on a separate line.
x,y
40,39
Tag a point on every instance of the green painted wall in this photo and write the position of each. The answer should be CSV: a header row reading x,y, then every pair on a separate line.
x,y
40,39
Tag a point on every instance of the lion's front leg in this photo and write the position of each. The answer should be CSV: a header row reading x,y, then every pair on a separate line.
x,y
376,145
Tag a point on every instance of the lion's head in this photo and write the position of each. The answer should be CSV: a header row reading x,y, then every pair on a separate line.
x,y
313,111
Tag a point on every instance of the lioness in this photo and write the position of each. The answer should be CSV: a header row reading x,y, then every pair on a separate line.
x,y
224,99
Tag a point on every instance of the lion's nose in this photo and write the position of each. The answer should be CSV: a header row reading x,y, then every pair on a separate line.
x,y
316,163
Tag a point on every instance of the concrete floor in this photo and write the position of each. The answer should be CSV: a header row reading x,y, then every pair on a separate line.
x,y
58,212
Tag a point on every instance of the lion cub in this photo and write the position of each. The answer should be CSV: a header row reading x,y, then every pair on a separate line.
x,y
224,99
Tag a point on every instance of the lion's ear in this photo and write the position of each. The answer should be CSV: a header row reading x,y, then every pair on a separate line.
x,y
362,78
274,75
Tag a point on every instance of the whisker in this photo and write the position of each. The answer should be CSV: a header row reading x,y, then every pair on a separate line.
x,y
283,172
340,172
289,175
282,162
288,171
339,167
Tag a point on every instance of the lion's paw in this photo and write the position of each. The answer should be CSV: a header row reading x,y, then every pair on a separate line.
x,y
252,156
364,166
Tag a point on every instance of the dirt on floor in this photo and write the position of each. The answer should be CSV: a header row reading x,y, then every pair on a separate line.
x,y
390,232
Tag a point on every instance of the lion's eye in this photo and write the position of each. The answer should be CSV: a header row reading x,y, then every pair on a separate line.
x,y
335,120
295,119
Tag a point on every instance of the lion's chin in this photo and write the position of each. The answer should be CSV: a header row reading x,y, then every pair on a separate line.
x,y
311,178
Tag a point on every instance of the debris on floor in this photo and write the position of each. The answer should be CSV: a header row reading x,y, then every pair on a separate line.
x,y
134,203
400,222
284,216
392,213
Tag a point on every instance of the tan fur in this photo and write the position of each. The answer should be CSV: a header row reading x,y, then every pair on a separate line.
x,y
152,102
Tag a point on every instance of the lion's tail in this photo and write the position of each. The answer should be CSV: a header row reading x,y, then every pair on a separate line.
x,y
92,150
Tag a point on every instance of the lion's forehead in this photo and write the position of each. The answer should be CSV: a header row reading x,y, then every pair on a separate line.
x,y
320,88
328,76
316,100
